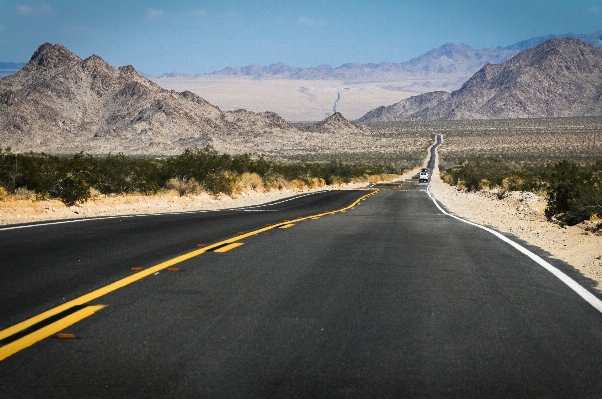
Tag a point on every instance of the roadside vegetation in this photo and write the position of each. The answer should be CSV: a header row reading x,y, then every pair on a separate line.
x,y
573,190
74,179
557,158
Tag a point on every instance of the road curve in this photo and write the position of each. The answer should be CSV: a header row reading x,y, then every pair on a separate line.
x,y
391,298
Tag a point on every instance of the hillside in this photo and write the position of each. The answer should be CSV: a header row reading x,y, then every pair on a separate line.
x,y
558,78
59,103
594,39
335,123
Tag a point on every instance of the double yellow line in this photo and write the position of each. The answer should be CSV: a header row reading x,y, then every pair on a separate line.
x,y
53,328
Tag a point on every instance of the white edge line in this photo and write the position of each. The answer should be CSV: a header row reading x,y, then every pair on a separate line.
x,y
572,284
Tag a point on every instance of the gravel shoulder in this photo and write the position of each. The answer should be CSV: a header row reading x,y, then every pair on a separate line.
x,y
522,214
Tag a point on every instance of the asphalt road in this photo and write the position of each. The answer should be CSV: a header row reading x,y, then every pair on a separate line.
x,y
42,266
389,299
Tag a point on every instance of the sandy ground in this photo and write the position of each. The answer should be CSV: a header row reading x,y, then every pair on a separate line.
x,y
522,214
294,100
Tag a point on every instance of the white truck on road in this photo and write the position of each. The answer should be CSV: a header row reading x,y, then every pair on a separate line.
x,y
423,176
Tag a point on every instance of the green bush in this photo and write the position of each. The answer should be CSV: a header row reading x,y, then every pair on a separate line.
x,y
71,190
70,178
574,191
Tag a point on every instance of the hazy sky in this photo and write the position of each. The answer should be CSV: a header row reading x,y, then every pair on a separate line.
x,y
158,36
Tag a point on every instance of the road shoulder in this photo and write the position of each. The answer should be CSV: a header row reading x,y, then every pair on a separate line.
x,y
521,214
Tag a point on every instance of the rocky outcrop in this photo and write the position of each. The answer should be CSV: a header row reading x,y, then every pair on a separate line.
x,y
59,103
559,78
406,109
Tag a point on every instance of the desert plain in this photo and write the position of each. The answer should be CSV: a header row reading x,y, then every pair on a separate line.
x,y
294,100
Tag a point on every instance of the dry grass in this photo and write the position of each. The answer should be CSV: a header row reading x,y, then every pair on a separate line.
x,y
3,193
184,187
249,182
384,177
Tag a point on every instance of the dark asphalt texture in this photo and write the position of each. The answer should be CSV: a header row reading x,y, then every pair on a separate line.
x,y
42,267
391,299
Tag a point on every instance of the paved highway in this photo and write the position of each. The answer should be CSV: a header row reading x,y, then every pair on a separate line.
x,y
387,298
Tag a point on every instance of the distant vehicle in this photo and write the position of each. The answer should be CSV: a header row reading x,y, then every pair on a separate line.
x,y
423,176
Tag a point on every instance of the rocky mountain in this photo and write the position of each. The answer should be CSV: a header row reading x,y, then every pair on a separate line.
x,y
593,39
59,103
560,77
404,109
449,59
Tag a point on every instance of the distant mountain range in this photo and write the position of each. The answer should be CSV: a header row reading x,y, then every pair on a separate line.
x,y
449,59
558,78
457,62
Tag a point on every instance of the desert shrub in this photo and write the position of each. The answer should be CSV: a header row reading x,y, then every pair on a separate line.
x,y
336,181
574,192
73,179
483,173
296,184
220,182
120,174
447,178
315,182
23,193
249,182
184,187
274,182
71,190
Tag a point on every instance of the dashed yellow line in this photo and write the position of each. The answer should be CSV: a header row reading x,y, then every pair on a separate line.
x,y
44,332
82,300
228,247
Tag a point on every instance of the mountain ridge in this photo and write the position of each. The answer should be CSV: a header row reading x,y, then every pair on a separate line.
x,y
449,58
558,78
60,103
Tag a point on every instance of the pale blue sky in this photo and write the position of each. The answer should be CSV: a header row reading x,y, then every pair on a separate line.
x,y
158,36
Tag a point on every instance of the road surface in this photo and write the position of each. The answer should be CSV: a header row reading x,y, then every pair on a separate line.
x,y
388,298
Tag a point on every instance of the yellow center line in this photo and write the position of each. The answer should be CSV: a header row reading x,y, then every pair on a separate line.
x,y
287,226
99,292
228,247
44,332
84,299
